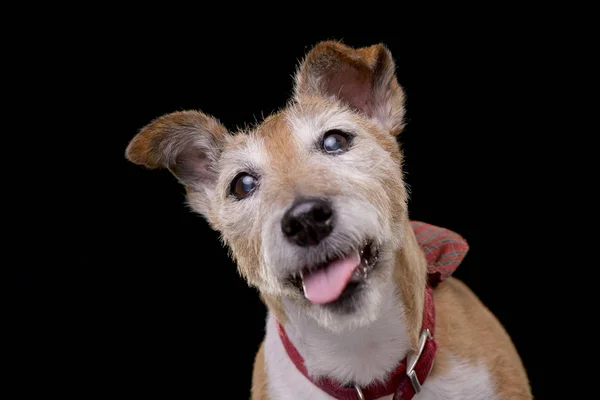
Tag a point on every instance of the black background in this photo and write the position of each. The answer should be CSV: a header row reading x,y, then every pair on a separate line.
x,y
136,294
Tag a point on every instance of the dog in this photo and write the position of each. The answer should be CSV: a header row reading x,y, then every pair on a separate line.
x,y
311,203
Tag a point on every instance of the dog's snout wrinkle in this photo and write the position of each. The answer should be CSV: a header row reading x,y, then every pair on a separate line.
x,y
308,221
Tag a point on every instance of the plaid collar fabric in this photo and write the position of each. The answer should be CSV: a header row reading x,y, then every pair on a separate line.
x,y
444,250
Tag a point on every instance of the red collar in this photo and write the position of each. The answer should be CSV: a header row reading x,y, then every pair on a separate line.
x,y
402,382
444,250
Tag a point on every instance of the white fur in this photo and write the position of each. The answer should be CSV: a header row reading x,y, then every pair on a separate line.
x,y
361,356
309,126
462,381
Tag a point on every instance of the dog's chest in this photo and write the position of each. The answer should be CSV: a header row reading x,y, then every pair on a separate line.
x,y
460,381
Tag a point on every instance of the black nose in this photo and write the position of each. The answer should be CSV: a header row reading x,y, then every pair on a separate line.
x,y
308,221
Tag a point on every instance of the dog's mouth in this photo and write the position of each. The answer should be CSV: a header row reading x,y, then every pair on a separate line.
x,y
338,277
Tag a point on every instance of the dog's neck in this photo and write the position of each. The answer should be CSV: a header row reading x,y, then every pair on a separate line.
x,y
369,353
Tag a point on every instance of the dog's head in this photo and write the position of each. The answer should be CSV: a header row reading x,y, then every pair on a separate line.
x,y
311,202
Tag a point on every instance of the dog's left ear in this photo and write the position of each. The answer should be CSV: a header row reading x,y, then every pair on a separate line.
x,y
363,78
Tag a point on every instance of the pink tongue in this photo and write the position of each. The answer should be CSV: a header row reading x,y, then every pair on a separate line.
x,y
327,284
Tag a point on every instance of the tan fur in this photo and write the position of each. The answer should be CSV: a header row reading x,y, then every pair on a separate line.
x,y
259,390
274,304
410,275
356,87
465,327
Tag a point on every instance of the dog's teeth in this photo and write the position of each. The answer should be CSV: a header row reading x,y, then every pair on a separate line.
x,y
303,287
361,272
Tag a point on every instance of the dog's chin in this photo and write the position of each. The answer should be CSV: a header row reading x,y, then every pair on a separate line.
x,y
358,311
359,302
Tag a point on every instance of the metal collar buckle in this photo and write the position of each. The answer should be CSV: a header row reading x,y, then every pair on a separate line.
x,y
411,363
413,358
359,392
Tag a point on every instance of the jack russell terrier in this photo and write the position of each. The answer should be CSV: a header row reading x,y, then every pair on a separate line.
x,y
313,207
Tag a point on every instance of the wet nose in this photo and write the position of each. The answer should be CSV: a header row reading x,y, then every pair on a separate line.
x,y
308,221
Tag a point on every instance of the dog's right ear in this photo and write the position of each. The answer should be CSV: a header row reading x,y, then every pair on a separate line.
x,y
364,78
189,144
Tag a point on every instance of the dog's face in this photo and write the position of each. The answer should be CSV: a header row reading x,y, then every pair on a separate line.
x,y
310,202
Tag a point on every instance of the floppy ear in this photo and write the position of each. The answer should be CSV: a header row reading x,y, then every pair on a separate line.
x,y
189,144
363,78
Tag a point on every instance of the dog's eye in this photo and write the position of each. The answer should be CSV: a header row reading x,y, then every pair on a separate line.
x,y
336,141
243,185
